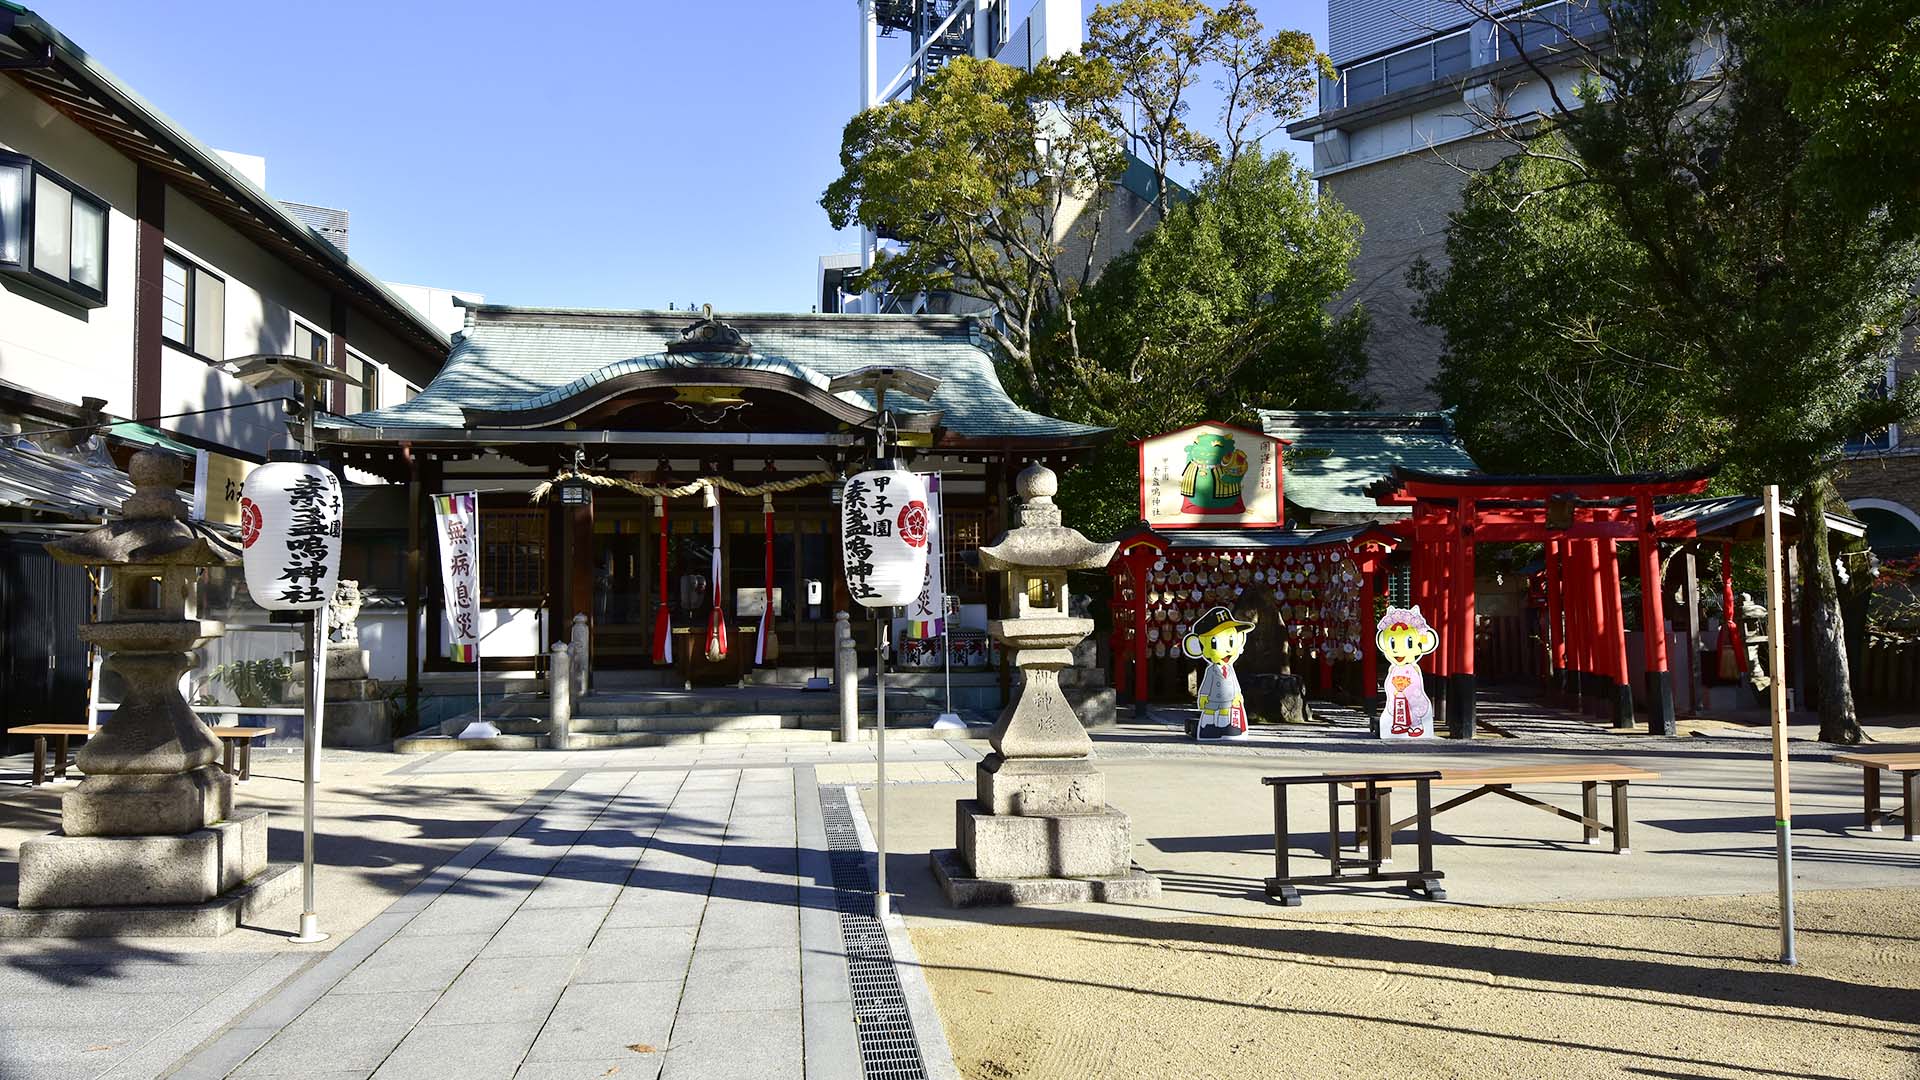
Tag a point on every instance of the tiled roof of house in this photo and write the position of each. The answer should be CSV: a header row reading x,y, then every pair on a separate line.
x,y
511,359
1334,456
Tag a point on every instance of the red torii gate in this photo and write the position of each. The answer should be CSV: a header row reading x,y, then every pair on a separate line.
x,y
1582,520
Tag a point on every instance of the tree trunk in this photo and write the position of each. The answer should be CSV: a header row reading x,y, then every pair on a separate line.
x,y
1839,723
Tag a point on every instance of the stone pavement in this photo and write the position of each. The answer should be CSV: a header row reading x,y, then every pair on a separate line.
x,y
662,914
655,922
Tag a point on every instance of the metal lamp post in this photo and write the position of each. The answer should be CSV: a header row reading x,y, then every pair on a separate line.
x,y
259,370
878,380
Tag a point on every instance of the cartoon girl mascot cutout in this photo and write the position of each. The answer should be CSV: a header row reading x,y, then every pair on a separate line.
x,y
1405,637
1219,639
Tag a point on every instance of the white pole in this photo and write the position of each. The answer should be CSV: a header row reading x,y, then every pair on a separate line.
x,y
880,898
1777,701
479,691
316,706
310,931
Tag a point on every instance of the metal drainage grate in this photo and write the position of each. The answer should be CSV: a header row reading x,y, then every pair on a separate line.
x,y
888,1049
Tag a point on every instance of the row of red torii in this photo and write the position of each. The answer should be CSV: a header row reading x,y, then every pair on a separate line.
x,y
1580,521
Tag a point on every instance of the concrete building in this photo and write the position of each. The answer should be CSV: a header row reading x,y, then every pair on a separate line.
x,y
134,262
1398,130
1406,121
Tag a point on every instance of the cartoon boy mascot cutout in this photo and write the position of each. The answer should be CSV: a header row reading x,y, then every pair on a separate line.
x,y
1405,637
1219,639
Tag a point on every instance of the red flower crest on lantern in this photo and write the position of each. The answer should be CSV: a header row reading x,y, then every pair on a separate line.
x,y
249,522
912,524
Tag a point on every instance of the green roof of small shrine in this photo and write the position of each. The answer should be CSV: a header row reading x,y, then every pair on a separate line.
x,y
1333,456
524,360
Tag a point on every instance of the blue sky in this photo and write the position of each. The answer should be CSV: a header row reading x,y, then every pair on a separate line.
x,y
628,154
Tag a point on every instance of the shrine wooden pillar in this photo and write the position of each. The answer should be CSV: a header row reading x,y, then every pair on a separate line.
x,y
1372,564
416,509
1556,643
1583,617
1653,623
1460,681
1615,641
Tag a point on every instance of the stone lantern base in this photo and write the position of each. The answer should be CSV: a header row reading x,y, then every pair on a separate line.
x,y
1039,831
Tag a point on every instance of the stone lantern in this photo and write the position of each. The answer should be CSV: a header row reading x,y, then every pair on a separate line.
x,y
1039,829
152,823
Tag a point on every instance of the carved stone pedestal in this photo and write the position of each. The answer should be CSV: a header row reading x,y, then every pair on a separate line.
x,y
357,713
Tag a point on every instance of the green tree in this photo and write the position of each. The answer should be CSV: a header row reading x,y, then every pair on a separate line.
x,y
1551,362
994,183
1221,309
986,178
1716,263
1153,53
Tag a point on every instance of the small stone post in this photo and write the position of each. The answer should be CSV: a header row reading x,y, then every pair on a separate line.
x,y
846,677
559,699
579,657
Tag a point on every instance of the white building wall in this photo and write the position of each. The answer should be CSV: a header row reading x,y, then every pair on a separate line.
x,y
46,345
438,304
66,352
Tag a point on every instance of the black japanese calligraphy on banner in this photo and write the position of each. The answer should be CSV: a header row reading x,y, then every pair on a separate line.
x,y
457,520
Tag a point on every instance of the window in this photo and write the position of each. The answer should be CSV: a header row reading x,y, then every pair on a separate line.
x,y
1410,68
367,394
309,342
13,224
1366,82
1453,55
965,531
513,557
377,559
52,232
193,308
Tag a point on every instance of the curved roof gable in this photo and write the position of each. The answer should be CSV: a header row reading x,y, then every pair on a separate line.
x,y
513,359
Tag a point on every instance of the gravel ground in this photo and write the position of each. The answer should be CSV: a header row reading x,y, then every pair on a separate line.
x,y
1684,987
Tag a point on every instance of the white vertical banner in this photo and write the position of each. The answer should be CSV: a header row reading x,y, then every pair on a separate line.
x,y
457,520
927,615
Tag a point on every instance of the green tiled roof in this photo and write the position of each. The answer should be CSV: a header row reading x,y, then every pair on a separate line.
x,y
511,359
1333,456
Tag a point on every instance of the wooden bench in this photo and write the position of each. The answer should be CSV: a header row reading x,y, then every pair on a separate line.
x,y
1369,790
230,738
1906,766
1502,781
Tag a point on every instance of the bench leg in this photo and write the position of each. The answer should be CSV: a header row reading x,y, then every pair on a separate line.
x,y
1619,800
1870,781
1590,810
226,764
1280,837
39,760
1428,883
1362,819
60,758
1911,781
246,760
1386,825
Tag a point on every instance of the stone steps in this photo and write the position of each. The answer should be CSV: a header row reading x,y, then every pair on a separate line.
x,y
816,731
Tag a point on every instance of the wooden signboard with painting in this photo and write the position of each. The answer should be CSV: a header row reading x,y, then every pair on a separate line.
x,y
1210,475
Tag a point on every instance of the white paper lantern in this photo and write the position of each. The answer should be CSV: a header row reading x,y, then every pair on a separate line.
x,y
884,524
290,524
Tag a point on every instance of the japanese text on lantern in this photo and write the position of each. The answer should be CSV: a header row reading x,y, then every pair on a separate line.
x,y
865,506
313,529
